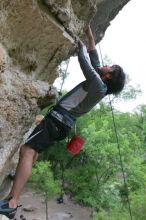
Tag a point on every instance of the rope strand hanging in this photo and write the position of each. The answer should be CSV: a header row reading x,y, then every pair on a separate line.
x,y
118,146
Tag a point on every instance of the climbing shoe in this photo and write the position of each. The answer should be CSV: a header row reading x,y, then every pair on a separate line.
x,y
5,210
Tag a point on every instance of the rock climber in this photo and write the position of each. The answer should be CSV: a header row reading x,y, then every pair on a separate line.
x,y
99,82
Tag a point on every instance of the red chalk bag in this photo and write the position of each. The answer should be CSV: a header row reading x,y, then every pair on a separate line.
x,y
75,144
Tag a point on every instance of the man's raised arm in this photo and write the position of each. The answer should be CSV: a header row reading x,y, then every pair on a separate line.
x,y
91,41
92,49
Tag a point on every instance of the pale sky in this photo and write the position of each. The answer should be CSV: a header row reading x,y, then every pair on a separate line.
x,y
124,43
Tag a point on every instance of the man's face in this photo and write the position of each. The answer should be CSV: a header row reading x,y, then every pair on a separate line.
x,y
106,71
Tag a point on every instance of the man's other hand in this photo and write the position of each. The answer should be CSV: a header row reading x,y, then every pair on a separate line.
x,y
80,44
88,31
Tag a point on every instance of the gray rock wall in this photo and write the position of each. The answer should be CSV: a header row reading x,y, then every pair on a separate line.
x,y
35,37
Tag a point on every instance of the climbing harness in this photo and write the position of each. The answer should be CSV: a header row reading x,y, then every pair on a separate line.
x,y
119,148
63,116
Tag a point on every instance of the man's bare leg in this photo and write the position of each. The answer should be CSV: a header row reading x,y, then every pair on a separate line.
x,y
23,171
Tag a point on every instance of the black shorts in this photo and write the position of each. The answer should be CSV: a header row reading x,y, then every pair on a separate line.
x,y
46,133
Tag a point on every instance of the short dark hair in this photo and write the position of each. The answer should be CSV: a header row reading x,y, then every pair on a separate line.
x,y
117,81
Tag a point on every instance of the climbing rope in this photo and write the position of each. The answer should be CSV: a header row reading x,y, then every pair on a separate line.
x,y
118,146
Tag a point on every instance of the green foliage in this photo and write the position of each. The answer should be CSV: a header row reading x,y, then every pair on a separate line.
x,y
138,202
116,214
43,181
119,212
94,177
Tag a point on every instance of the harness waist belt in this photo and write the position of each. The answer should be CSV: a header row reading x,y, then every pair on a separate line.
x,y
63,118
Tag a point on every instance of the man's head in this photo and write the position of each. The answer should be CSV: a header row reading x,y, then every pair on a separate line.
x,y
114,77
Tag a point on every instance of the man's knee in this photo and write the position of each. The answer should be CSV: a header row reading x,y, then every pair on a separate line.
x,y
26,151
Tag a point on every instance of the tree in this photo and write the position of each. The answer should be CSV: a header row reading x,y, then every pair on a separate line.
x,y
42,180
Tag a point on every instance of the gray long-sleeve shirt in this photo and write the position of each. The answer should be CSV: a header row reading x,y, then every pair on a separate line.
x,y
88,93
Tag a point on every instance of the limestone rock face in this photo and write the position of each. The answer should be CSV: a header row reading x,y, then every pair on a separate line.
x,y
18,107
35,37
